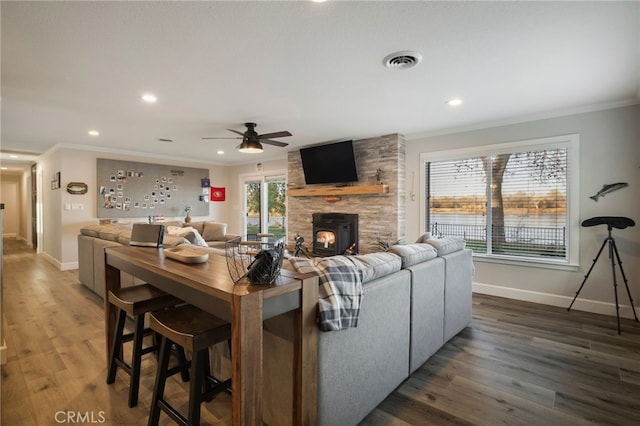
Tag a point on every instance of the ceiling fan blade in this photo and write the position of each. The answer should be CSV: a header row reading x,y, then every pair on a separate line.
x,y
274,143
275,135
230,137
235,131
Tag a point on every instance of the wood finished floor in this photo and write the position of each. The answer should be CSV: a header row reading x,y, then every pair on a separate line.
x,y
516,364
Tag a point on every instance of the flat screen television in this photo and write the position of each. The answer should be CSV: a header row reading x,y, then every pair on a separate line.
x,y
330,163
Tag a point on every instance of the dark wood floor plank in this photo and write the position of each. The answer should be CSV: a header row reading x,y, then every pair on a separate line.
x,y
503,382
412,412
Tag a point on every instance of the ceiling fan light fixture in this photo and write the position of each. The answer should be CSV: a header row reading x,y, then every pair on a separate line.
x,y
250,147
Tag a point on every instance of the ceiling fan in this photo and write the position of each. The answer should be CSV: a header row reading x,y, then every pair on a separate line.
x,y
252,141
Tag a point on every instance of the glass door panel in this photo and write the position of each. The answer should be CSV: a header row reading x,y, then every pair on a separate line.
x,y
253,204
277,207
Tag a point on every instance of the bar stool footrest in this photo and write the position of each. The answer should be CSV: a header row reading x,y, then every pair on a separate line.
x,y
218,387
172,412
178,369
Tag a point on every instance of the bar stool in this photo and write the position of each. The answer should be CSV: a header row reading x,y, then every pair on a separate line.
x,y
137,301
195,330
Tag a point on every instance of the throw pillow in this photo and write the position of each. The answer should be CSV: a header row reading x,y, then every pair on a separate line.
x,y
423,238
198,226
214,231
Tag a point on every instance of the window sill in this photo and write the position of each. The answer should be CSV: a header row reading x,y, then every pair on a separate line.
x,y
527,262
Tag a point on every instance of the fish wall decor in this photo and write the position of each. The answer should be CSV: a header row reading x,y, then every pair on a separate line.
x,y
608,188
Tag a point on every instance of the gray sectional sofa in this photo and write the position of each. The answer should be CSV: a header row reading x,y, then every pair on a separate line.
x,y
414,301
405,317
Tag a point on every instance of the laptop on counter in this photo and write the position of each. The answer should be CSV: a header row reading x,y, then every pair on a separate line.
x,y
147,235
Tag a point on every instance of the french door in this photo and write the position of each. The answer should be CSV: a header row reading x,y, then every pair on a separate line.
x,y
265,205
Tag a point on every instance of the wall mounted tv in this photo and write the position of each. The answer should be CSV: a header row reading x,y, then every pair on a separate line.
x,y
330,163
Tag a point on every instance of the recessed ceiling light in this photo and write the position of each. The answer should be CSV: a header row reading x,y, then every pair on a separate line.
x,y
220,152
318,1
93,133
13,156
149,98
4,168
454,102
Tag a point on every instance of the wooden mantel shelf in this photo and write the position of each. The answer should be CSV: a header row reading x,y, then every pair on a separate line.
x,y
339,190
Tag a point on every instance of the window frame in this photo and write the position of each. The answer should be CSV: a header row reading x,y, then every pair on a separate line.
x,y
570,142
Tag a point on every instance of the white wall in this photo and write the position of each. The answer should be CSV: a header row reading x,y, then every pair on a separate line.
x,y
61,227
51,220
609,145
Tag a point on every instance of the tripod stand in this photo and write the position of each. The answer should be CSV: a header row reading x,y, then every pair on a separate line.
x,y
611,222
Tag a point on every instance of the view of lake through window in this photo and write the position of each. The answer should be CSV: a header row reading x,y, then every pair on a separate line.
x,y
503,204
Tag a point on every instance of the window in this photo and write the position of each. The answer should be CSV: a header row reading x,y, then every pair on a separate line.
x,y
508,201
265,205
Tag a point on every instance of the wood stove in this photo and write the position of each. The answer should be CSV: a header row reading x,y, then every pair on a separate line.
x,y
334,233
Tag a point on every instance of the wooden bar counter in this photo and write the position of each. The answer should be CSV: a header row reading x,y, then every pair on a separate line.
x,y
208,286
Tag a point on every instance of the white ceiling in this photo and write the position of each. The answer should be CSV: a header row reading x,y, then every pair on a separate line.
x,y
314,69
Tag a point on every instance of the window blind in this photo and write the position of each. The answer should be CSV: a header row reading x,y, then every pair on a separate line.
x,y
512,203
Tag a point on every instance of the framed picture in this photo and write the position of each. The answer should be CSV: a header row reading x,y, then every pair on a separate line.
x,y
217,194
55,183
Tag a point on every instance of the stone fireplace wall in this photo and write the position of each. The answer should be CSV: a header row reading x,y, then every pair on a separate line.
x,y
381,217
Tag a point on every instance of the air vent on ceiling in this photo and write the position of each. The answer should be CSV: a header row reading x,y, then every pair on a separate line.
x,y
402,60
165,140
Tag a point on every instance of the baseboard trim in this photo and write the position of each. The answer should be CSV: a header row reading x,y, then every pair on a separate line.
x,y
3,353
69,265
586,305
51,260
61,266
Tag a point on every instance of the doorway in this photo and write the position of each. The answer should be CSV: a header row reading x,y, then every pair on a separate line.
x,y
265,204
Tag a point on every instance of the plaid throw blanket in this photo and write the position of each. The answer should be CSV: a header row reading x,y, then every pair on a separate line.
x,y
340,291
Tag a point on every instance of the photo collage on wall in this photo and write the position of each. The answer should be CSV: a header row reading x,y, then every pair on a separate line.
x,y
131,189
156,191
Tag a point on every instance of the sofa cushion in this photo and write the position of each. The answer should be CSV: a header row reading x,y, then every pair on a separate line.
x,y
412,254
446,245
371,266
112,232
170,223
91,230
124,238
376,265
214,231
